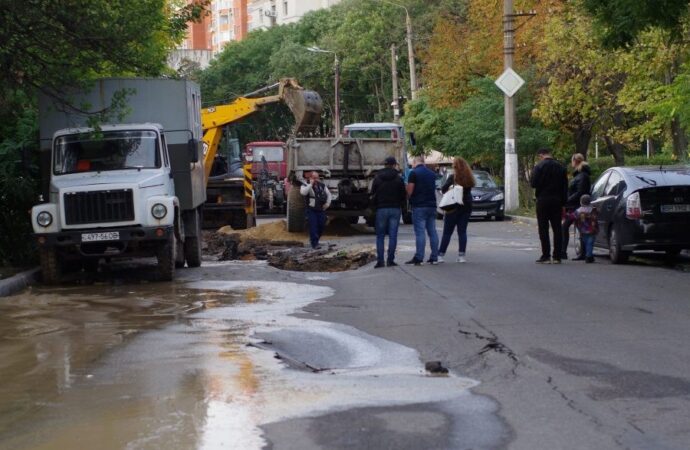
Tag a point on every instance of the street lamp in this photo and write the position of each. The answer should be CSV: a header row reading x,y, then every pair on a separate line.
x,y
336,69
410,49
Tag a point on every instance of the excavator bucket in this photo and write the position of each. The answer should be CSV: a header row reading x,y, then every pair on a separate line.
x,y
305,105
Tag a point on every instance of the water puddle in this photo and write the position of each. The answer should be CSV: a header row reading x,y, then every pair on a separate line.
x,y
207,380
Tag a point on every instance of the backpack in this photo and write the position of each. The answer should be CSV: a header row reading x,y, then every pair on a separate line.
x,y
320,196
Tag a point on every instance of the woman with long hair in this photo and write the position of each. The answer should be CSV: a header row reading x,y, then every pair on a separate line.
x,y
579,185
458,217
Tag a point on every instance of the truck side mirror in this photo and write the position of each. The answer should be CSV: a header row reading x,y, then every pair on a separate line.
x,y
193,149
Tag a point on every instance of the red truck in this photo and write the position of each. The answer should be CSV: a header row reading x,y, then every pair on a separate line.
x,y
269,171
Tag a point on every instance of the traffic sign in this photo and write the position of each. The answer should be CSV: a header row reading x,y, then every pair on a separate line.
x,y
509,82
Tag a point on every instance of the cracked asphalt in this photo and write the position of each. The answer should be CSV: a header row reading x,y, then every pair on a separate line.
x,y
576,356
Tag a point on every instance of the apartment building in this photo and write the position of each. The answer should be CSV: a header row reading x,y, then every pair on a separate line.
x,y
267,13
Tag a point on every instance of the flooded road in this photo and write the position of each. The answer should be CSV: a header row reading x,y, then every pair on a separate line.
x,y
198,364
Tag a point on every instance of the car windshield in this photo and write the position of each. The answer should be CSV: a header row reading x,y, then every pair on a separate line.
x,y
272,154
107,150
484,180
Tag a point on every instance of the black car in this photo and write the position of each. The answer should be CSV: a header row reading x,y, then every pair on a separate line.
x,y
643,208
487,197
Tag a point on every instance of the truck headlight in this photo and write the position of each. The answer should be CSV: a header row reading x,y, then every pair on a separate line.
x,y
159,211
44,219
497,197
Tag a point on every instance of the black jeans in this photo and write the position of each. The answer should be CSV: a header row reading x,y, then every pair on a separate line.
x,y
567,222
549,213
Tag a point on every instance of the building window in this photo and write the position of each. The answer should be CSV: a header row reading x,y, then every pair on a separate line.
x,y
285,8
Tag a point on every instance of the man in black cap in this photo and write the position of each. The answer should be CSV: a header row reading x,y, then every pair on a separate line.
x,y
550,182
388,197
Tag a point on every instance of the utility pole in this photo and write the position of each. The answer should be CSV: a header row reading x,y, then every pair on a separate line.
x,y
512,197
410,56
394,76
336,118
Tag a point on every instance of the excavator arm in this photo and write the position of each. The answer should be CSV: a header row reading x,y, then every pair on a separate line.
x,y
306,107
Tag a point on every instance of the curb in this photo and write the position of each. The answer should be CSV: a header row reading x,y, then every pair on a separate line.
x,y
524,219
16,283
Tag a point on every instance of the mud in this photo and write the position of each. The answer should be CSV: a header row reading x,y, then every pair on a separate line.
x,y
289,251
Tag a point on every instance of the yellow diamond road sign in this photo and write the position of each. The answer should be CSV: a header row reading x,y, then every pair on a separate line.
x,y
509,82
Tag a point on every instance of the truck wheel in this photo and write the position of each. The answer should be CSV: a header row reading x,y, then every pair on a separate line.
x,y
370,220
192,245
166,255
295,211
51,267
354,220
239,220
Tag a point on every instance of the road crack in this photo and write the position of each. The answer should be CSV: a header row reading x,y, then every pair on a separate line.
x,y
493,344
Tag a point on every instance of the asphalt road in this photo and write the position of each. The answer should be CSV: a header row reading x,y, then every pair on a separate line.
x,y
242,355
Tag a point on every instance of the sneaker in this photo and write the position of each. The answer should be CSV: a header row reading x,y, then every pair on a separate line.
x,y
556,261
440,259
414,261
392,264
589,260
544,260
379,265
461,259
433,262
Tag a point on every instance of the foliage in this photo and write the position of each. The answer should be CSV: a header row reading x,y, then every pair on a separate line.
x,y
622,21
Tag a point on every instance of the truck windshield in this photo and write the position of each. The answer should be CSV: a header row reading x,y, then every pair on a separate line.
x,y
272,154
372,134
107,150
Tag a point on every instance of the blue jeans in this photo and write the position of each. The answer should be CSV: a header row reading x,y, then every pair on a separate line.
x,y
456,220
424,222
317,223
387,221
588,244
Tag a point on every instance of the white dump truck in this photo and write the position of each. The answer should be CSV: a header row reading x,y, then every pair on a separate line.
x,y
130,186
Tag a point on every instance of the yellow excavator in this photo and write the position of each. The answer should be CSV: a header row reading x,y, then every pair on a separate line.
x,y
229,191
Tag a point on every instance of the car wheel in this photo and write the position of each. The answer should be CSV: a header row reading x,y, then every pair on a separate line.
x,y
617,255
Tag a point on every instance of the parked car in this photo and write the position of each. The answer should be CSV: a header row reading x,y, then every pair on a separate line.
x,y
643,208
487,196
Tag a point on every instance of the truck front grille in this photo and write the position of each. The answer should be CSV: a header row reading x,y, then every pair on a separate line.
x,y
99,207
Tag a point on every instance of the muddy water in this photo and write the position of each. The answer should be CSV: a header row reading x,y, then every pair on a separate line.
x,y
169,366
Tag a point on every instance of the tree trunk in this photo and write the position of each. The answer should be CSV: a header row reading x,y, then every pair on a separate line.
x,y
680,139
616,149
582,136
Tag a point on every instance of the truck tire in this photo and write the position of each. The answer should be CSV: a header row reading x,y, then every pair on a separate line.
x,y
239,220
192,245
295,211
371,221
166,256
51,266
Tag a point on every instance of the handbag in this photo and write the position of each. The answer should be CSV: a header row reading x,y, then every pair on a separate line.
x,y
452,198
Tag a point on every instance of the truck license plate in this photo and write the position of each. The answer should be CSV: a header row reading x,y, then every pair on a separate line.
x,y
675,208
94,237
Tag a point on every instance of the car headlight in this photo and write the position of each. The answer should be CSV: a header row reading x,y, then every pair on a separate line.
x,y
497,197
159,211
44,219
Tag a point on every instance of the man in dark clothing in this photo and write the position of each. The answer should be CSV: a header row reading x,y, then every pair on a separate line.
x,y
579,185
388,195
421,187
550,181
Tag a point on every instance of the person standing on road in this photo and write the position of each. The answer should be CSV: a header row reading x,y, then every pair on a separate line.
x,y
550,182
587,224
579,186
421,188
318,199
459,217
389,196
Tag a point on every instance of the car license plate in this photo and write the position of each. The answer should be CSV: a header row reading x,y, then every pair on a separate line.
x,y
479,213
96,237
675,208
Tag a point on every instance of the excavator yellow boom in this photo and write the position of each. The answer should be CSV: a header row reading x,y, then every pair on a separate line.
x,y
306,107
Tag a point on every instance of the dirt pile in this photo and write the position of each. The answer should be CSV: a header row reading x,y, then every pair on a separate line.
x,y
289,251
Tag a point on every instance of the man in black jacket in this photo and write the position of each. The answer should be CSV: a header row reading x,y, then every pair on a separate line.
x,y
388,195
550,181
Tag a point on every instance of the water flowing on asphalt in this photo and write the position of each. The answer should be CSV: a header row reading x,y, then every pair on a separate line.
x,y
129,367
